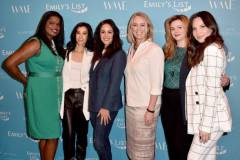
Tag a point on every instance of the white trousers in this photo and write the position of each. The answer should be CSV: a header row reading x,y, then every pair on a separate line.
x,y
201,151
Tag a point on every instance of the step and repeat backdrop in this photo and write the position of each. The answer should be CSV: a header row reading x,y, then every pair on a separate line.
x,y
19,19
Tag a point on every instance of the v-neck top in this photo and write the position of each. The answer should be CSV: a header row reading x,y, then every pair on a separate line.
x,y
144,73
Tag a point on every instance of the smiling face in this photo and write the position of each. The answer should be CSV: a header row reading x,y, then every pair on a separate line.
x,y
139,29
52,27
106,34
81,36
178,30
200,30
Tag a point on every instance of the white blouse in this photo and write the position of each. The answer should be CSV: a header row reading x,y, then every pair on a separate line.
x,y
144,74
76,75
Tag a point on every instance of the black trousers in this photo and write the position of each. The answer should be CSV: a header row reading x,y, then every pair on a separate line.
x,y
177,139
75,126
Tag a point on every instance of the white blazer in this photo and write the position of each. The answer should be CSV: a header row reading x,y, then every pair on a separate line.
x,y
86,63
207,106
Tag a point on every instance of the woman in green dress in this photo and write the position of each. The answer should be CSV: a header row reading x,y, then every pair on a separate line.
x,y
42,54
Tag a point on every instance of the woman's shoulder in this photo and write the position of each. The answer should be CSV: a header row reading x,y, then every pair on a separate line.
x,y
121,51
214,48
89,53
33,42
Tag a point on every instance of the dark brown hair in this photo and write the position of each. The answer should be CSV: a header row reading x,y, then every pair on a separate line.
x,y
98,45
58,40
195,49
72,43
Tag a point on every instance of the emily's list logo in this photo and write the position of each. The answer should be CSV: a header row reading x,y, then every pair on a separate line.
x,y
1,96
5,116
119,144
21,9
178,6
2,32
123,34
115,5
230,57
221,150
73,7
120,123
6,52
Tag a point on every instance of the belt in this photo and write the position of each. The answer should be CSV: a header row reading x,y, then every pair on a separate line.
x,y
76,90
44,74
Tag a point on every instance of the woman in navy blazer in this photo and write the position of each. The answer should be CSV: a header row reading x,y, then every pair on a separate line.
x,y
105,98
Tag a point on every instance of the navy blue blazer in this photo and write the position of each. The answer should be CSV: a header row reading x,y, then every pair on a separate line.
x,y
105,81
184,70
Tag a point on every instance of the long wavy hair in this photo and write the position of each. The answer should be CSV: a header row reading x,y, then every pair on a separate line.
x,y
41,32
171,44
98,45
130,36
72,43
195,49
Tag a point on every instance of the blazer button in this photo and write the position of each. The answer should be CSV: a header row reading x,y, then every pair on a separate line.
x,y
196,93
197,102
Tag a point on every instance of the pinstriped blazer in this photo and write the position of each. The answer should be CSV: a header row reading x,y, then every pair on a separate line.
x,y
207,106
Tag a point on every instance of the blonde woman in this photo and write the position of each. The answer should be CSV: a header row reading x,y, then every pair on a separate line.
x,y
144,78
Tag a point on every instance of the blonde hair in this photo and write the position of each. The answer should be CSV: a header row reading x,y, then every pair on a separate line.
x,y
130,36
170,45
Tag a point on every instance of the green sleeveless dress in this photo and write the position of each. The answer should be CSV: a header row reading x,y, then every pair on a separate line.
x,y
43,94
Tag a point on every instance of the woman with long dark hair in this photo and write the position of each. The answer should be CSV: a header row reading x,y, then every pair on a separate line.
x,y
106,74
208,112
74,108
43,54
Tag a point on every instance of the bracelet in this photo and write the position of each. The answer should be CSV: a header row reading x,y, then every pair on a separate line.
x,y
150,110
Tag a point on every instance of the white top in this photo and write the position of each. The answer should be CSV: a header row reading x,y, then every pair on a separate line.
x,y
76,69
76,75
144,74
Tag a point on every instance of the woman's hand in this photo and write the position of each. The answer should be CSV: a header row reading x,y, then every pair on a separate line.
x,y
105,116
148,118
204,137
225,80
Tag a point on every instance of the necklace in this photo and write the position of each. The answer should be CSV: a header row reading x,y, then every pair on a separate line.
x,y
53,46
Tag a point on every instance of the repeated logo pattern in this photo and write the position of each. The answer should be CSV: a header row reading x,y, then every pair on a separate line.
x,y
26,15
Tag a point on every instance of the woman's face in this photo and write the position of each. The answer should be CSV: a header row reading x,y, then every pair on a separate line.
x,y
200,30
178,30
81,36
106,34
52,27
139,28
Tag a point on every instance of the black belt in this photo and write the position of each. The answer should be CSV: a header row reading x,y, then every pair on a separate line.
x,y
75,90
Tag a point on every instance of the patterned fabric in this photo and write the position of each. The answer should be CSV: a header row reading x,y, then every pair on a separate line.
x,y
207,106
204,151
172,69
140,137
